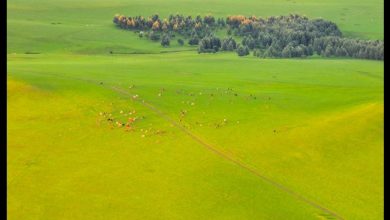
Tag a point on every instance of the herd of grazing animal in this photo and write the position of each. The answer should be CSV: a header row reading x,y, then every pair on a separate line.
x,y
130,117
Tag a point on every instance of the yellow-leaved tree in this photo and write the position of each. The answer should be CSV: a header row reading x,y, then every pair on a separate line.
x,y
156,26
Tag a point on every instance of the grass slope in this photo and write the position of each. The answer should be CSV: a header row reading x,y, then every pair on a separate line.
x,y
87,27
313,125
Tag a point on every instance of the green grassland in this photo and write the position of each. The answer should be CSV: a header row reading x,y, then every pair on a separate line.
x,y
314,126
86,27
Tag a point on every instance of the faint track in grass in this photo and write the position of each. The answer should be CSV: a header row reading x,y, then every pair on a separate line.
x,y
369,75
233,160
329,213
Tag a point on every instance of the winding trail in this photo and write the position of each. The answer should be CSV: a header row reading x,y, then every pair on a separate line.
x,y
230,158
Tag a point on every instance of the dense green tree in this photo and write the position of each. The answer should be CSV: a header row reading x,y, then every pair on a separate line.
x,y
180,42
257,53
210,44
248,41
155,17
221,22
329,51
193,41
281,36
209,19
271,51
242,50
154,35
341,52
288,51
228,44
165,41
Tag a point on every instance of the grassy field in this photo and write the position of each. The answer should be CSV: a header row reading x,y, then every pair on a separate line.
x,y
260,138
87,27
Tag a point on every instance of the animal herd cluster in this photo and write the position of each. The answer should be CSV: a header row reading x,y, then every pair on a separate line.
x,y
127,123
126,120
281,36
130,121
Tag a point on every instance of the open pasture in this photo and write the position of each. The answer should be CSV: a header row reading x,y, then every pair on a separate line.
x,y
215,136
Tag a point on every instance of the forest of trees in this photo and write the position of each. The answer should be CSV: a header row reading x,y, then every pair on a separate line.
x,y
282,36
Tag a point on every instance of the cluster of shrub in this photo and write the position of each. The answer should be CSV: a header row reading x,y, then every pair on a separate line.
x,y
282,36
297,36
155,28
344,47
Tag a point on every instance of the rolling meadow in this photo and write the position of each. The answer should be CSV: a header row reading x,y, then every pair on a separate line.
x,y
215,136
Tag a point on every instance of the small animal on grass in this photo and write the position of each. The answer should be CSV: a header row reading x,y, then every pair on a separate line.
x,y
131,120
119,124
128,127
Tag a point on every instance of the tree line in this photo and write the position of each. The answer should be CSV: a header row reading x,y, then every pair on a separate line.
x,y
281,36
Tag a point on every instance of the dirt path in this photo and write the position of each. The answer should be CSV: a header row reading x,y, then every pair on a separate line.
x,y
203,143
230,158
